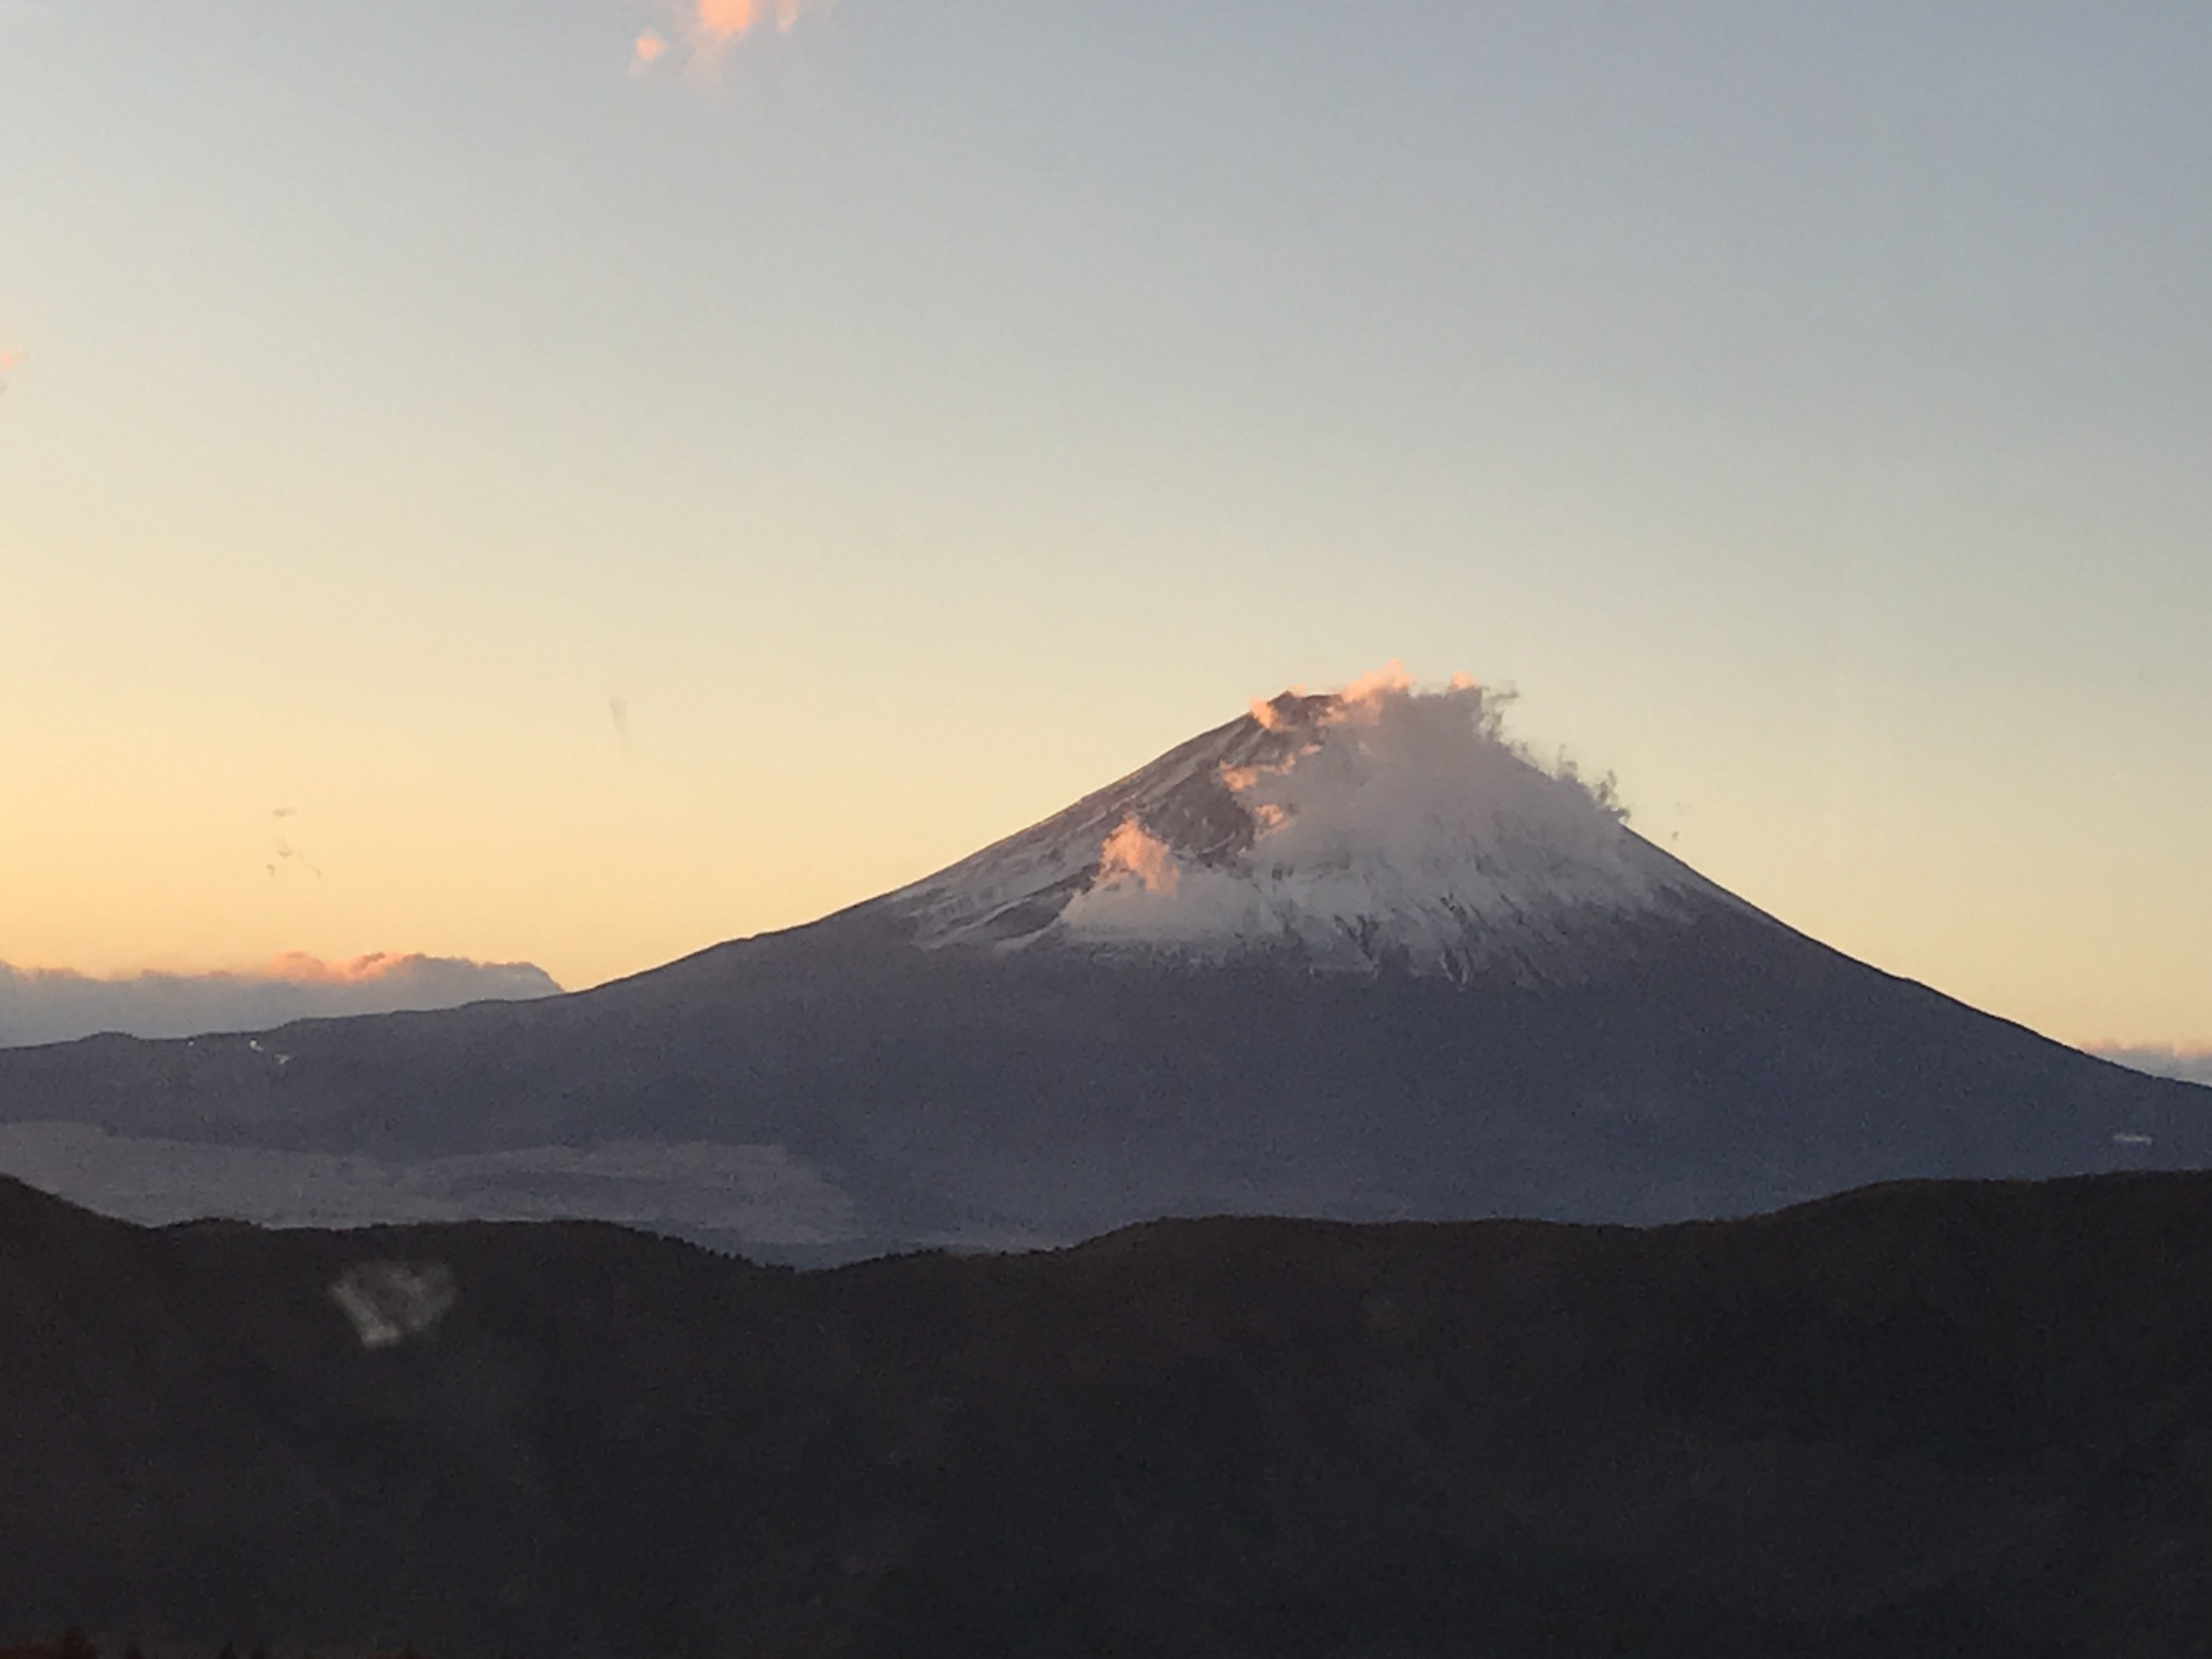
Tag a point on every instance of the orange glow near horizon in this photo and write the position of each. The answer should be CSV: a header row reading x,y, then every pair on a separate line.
x,y
592,861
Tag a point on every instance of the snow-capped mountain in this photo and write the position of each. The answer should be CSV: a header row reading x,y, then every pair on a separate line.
x,y
1351,955
1373,827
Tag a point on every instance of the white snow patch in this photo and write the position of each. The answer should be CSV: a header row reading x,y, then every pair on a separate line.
x,y
1379,823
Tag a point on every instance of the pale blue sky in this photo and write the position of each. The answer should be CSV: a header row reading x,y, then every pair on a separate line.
x,y
919,417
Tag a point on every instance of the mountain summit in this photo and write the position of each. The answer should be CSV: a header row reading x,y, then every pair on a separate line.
x,y
1376,827
1352,956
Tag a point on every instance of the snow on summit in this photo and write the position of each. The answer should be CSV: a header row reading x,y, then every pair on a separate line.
x,y
1380,825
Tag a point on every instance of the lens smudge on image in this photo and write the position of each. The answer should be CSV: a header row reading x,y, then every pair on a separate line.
x,y
390,1301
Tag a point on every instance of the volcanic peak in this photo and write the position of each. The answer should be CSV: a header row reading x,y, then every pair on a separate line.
x,y
1379,825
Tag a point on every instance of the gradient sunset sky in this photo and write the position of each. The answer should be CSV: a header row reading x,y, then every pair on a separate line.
x,y
574,480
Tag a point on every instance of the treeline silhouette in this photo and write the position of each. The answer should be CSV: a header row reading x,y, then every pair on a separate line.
x,y
73,1644
1972,1422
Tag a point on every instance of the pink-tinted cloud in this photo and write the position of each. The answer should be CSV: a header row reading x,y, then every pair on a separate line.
x,y
1389,681
297,967
706,27
1132,850
728,19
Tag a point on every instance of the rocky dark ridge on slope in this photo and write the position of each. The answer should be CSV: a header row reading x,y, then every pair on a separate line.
x,y
1926,1419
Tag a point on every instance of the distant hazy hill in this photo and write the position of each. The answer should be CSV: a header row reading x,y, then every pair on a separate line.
x,y
53,1006
2195,1067
1926,1420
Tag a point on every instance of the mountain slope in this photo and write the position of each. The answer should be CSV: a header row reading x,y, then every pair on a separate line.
x,y
1351,957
